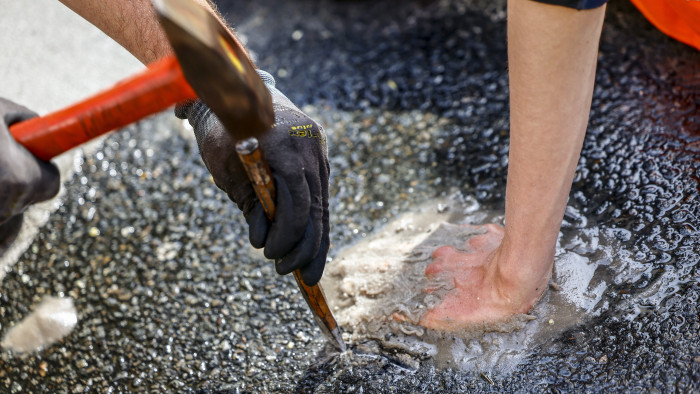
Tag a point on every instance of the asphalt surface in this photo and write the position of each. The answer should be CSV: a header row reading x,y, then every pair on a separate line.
x,y
414,99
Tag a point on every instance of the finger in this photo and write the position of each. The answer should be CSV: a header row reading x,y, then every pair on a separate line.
x,y
48,184
9,230
308,247
311,273
291,218
316,209
258,225
301,255
15,113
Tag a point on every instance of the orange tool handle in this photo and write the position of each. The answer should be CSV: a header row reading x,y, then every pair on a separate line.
x,y
132,99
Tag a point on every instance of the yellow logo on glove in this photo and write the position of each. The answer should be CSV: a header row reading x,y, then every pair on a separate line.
x,y
303,131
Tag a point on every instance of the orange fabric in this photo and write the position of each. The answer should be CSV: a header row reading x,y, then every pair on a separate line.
x,y
679,19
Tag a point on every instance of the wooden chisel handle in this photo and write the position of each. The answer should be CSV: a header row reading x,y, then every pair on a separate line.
x,y
260,176
130,100
259,173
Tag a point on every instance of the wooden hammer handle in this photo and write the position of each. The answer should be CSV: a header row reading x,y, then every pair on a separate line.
x,y
151,91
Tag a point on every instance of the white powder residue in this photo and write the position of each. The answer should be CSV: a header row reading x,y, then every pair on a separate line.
x,y
53,319
574,275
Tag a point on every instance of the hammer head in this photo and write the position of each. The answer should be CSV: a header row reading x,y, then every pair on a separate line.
x,y
217,68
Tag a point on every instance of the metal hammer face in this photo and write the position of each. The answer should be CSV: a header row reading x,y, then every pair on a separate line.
x,y
217,68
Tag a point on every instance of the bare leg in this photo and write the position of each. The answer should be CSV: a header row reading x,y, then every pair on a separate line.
x,y
552,54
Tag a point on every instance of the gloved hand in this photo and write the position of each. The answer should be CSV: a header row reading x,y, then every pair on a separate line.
x,y
297,154
24,179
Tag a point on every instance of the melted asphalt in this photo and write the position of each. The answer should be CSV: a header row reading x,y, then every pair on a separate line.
x,y
414,99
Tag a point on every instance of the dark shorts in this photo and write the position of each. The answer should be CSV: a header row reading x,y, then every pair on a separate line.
x,y
577,4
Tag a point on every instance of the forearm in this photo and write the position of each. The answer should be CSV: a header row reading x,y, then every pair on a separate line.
x,y
552,58
552,53
131,23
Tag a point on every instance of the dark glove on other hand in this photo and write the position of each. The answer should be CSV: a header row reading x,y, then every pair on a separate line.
x,y
297,154
24,179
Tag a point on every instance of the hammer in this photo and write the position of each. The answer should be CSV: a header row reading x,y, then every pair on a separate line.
x,y
209,64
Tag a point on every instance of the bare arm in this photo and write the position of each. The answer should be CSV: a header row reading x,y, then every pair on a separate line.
x,y
131,23
552,54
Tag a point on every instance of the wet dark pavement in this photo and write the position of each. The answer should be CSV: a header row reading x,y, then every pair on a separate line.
x,y
414,98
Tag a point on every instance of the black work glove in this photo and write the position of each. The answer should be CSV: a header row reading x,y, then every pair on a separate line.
x,y
296,151
24,179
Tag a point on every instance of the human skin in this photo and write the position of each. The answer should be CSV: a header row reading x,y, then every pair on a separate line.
x,y
131,23
552,56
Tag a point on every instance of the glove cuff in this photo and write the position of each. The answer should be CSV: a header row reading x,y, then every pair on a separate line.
x,y
198,114
183,108
267,78
278,98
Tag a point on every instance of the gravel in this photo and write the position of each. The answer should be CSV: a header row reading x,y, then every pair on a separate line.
x,y
414,98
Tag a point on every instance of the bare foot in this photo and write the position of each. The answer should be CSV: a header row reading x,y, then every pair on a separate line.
x,y
483,292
